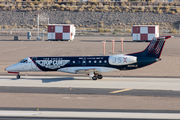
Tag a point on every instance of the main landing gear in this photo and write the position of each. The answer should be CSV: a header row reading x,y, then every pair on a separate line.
x,y
18,76
95,77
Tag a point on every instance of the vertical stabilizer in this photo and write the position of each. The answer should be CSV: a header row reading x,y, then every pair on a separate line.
x,y
154,49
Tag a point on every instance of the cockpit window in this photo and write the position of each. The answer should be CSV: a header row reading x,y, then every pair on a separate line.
x,y
23,61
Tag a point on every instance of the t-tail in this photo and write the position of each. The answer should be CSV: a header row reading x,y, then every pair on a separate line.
x,y
154,49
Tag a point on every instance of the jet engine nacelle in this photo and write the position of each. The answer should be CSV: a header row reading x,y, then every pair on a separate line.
x,y
122,59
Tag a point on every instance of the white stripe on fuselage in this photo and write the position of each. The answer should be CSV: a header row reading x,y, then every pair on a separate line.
x,y
74,69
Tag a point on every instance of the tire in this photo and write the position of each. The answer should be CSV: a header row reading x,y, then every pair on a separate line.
x,y
94,77
99,76
18,76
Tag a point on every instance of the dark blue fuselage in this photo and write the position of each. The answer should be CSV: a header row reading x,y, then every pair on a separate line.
x,y
86,61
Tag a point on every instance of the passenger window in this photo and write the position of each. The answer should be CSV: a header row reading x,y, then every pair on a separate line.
x,y
73,61
100,61
89,61
105,61
95,61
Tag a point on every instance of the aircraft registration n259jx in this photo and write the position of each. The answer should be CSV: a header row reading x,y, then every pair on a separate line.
x,y
93,66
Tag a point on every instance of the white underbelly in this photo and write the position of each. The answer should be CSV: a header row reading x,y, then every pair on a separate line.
x,y
74,69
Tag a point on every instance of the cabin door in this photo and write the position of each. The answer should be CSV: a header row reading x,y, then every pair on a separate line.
x,y
33,64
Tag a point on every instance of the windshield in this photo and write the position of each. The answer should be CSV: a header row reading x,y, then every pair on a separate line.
x,y
23,61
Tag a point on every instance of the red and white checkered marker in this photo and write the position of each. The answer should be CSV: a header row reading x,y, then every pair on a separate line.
x,y
61,31
145,32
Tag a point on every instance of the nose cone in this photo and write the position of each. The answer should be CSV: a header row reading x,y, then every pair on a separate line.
x,y
11,68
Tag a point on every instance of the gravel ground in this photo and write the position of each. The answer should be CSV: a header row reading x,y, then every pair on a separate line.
x,y
84,18
14,51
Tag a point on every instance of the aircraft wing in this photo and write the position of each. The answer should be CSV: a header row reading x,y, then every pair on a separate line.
x,y
87,71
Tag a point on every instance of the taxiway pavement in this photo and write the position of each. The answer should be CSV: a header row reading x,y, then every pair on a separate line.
x,y
156,98
90,91
87,115
85,82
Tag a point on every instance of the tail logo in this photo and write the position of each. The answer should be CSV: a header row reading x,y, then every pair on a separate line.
x,y
155,46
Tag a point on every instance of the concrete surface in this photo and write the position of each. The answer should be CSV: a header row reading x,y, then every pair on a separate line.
x,y
66,114
90,100
85,82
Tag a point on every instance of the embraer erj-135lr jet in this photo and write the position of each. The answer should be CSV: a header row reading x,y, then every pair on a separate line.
x,y
93,66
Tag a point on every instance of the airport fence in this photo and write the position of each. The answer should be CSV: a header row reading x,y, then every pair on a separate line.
x,y
122,29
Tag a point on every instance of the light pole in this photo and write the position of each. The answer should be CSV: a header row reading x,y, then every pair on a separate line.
x,y
38,26
113,46
104,42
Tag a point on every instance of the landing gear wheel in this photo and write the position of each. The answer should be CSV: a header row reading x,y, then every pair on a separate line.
x,y
99,76
94,77
18,76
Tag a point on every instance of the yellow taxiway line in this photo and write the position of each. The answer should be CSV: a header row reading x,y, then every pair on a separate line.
x,y
120,90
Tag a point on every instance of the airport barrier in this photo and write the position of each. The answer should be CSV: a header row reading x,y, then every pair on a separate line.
x,y
98,29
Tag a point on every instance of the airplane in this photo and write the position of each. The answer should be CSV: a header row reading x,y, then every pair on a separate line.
x,y
93,66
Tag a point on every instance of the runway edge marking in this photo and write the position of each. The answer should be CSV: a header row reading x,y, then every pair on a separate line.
x,y
117,91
